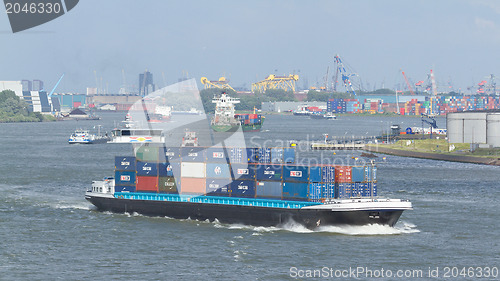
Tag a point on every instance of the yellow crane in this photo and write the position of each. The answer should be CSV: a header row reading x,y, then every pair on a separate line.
x,y
276,82
222,83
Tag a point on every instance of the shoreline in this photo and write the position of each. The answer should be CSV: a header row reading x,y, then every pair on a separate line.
x,y
433,156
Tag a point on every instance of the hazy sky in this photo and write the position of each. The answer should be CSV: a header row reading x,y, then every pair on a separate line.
x,y
248,40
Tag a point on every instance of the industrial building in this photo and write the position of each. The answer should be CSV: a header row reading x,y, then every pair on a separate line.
x,y
33,94
282,106
475,127
146,85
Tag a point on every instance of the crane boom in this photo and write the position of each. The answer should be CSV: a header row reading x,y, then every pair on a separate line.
x,y
344,75
408,83
57,84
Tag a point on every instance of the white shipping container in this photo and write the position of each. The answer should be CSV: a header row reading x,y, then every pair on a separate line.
x,y
193,170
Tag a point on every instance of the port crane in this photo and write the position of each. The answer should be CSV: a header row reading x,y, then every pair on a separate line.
x,y
428,119
222,83
276,82
408,83
344,75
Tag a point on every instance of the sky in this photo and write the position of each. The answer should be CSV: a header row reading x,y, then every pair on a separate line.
x,y
246,41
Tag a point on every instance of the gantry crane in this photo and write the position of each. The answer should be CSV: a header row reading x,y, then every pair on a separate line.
x,y
276,82
345,76
222,83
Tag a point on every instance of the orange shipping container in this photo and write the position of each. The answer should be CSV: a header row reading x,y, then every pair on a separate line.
x,y
343,173
193,185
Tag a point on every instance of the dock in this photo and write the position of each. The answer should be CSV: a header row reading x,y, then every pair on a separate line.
x,y
337,146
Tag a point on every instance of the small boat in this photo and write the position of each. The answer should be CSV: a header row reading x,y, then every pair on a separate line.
x,y
85,137
327,116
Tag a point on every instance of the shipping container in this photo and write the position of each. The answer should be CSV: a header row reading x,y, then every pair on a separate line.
x,y
237,155
217,155
330,190
252,155
124,188
370,189
147,153
343,174
147,184
277,155
243,171
289,155
315,191
168,185
218,187
315,174
269,189
193,186
295,173
243,188
193,154
295,190
193,170
344,190
169,154
358,174
125,163
169,169
328,173
147,168
264,155
269,172
218,170
124,177
370,173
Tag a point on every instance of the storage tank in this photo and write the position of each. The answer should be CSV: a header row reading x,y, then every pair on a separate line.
x,y
493,129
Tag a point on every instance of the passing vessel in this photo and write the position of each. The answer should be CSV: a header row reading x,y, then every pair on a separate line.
x,y
255,186
85,137
327,116
224,119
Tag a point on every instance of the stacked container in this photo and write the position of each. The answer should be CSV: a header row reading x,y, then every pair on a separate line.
x,y
218,172
125,174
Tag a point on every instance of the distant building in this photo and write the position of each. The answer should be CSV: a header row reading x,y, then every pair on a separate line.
x,y
146,85
38,85
26,85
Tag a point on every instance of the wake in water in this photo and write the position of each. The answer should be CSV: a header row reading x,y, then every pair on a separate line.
x,y
292,226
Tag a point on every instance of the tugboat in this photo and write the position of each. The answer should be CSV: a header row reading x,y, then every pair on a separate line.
x,y
224,120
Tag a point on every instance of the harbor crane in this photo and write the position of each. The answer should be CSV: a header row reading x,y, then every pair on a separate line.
x,y
57,84
428,119
344,75
272,81
222,83
408,83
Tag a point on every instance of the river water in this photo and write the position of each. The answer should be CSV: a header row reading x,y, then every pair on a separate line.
x,y
50,232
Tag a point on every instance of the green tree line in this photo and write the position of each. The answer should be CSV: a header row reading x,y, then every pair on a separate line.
x,y
13,109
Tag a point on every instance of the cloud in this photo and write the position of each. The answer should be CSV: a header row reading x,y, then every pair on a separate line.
x,y
483,23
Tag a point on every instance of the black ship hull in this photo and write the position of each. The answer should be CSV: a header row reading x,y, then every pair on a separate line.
x,y
249,215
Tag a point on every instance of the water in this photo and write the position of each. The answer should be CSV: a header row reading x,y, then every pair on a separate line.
x,y
49,232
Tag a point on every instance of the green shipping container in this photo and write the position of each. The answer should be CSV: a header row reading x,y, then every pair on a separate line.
x,y
147,154
167,185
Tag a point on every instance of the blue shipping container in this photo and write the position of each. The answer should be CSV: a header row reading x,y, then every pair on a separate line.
x,y
147,168
244,188
218,187
295,190
169,154
328,174
125,178
252,155
124,188
369,188
277,155
193,154
125,163
236,155
269,189
289,155
169,169
344,190
315,174
315,191
218,170
217,155
358,174
370,173
296,173
243,171
264,155
329,191
269,172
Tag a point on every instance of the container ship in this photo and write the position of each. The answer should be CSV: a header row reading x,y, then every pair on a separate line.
x,y
225,119
254,186
250,122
